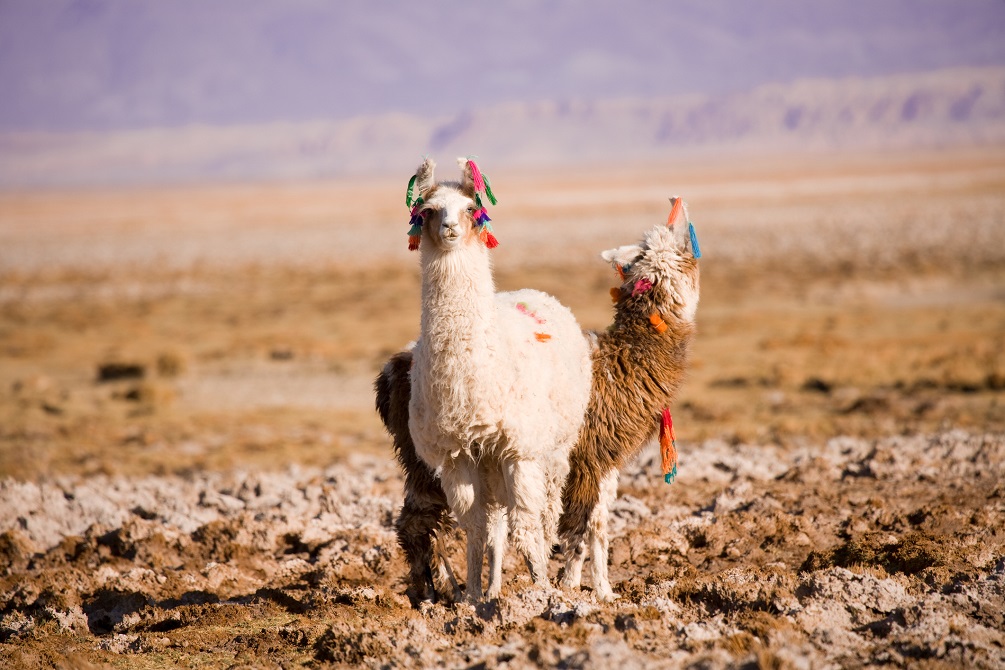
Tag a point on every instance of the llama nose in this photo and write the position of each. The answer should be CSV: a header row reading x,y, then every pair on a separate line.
x,y
450,229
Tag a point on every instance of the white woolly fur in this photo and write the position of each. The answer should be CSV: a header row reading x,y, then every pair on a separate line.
x,y
500,384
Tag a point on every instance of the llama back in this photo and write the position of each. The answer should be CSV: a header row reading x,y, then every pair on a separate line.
x,y
550,362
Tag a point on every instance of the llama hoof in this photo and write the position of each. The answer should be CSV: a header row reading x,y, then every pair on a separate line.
x,y
607,596
570,583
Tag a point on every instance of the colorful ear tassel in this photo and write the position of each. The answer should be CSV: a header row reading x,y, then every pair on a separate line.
x,y
415,222
668,447
678,206
481,185
694,240
410,191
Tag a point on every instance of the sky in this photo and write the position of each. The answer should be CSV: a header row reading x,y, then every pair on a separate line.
x,y
68,65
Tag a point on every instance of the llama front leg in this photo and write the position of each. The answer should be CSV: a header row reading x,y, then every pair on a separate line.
x,y
497,530
599,539
526,499
467,501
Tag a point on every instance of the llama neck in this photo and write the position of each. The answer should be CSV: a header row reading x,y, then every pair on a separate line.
x,y
458,302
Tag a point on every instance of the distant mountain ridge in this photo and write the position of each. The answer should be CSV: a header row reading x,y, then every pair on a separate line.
x,y
951,108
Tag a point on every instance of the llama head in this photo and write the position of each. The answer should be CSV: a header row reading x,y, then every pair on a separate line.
x,y
663,267
449,214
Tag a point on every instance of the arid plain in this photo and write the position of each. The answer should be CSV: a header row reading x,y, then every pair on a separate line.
x,y
192,473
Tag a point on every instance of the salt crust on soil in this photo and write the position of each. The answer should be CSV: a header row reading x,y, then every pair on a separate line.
x,y
835,555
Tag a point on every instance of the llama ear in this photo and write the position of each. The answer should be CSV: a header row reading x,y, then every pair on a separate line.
x,y
467,176
424,179
622,256
680,224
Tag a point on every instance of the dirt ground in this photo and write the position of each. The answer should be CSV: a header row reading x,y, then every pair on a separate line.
x,y
192,473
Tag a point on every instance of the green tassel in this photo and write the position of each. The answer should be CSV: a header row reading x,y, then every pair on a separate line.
x,y
416,229
488,189
410,191
478,202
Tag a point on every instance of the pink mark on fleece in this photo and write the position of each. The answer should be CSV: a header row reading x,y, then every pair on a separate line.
x,y
524,309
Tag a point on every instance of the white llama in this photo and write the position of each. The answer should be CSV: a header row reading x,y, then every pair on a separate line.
x,y
499,386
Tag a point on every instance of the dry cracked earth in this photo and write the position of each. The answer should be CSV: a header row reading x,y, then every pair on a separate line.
x,y
192,474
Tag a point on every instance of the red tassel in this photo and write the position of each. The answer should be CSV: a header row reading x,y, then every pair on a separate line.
x,y
413,242
490,240
668,447
678,206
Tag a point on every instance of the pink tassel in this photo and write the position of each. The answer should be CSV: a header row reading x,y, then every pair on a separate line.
x,y
641,286
476,177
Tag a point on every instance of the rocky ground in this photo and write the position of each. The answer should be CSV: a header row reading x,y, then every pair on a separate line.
x,y
192,474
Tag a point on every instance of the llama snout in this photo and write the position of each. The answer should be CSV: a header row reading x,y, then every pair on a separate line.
x,y
450,230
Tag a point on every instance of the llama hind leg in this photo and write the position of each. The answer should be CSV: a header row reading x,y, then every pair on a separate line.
x,y
557,472
575,557
526,500
467,501
416,527
599,540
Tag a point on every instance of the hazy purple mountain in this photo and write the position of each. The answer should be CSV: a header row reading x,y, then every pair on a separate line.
x,y
131,64
944,109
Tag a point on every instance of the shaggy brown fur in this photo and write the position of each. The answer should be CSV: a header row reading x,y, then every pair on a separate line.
x,y
636,373
424,516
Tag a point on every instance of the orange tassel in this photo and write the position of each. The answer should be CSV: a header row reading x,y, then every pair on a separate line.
x,y
542,337
668,447
615,294
413,242
657,322
678,205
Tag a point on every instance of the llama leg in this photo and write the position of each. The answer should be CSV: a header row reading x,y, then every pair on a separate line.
x,y
467,501
525,483
443,577
599,540
416,528
558,470
496,546
575,556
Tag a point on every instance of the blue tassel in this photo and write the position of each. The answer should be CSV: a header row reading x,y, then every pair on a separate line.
x,y
669,477
694,240
416,225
